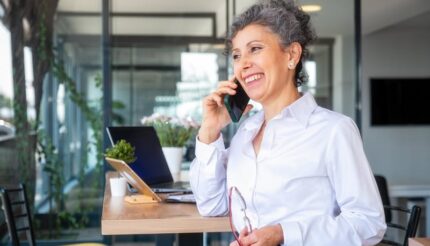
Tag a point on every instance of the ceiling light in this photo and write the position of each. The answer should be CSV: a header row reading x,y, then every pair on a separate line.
x,y
311,8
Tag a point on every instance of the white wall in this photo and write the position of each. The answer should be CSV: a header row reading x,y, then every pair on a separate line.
x,y
401,153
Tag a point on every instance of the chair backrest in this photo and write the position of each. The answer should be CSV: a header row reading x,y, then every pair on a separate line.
x,y
408,230
383,191
17,214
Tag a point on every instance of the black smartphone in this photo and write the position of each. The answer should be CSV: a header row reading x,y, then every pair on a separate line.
x,y
236,104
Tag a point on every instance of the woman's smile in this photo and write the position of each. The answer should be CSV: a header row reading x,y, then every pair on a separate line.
x,y
253,80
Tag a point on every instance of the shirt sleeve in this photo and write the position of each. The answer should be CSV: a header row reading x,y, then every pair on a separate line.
x,y
208,178
360,219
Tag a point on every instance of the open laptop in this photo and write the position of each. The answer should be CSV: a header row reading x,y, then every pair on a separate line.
x,y
150,165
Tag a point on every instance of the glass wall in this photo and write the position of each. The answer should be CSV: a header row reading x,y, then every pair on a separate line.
x,y
163,80
6,111
70,175
165,58
6,90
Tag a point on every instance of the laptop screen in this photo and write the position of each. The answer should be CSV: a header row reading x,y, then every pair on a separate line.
x,y
150,165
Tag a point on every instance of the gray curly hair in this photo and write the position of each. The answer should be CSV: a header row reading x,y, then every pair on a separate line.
x,y
283,18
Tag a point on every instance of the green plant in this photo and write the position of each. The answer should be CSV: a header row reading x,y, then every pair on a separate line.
x,y
172,132
122,150
47,153
171,135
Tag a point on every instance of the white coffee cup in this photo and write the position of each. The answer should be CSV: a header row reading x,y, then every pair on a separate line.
x,y
118,186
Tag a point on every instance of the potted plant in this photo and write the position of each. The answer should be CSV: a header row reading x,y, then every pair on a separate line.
x,y
173,134
122,150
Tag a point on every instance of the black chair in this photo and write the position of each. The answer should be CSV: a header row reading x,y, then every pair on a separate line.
x,y
412,216
408,230
383,191
18,218
17,214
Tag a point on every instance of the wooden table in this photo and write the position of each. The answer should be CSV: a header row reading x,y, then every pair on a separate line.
x,y
419,241
122,218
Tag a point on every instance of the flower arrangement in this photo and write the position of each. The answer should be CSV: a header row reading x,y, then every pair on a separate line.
x,y
172,131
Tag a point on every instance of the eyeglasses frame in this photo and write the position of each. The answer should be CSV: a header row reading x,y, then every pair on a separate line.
x,y
246,219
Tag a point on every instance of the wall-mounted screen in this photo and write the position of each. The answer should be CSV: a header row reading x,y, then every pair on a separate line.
x,y
400,101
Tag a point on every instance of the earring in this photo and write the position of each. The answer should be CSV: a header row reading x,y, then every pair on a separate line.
x,y
291,65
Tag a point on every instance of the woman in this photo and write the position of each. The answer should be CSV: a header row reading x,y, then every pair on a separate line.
x,y
300,169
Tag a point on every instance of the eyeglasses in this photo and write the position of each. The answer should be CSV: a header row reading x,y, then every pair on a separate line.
x,y
235,195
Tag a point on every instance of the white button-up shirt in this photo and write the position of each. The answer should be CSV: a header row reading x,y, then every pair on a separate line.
x,y
311,176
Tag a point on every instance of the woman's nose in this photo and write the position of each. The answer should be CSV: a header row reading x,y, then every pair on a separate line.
x,y
245,63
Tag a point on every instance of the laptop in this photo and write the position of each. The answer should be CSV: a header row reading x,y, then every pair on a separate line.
x,y
150,165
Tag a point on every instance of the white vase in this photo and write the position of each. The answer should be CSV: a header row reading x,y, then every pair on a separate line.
x,y
173,157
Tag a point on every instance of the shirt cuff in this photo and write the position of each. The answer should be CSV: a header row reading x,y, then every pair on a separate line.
x,y
292,234
204,151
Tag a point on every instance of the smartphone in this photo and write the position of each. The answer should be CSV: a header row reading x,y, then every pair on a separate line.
x,y
236,104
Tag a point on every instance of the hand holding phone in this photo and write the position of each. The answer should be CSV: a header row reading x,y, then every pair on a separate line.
x,y
236,104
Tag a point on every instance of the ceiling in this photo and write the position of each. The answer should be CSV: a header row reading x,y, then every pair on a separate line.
x,y
380,14
335,18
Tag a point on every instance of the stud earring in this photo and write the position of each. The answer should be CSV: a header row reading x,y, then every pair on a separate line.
x,y
291,65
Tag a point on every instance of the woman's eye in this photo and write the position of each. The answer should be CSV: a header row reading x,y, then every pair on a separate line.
x,y
235,56
254,49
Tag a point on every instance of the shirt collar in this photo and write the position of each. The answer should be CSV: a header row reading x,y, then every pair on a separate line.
x,y
254,122
301,110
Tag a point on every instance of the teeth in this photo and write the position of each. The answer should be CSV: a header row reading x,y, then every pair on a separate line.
x,y
253,77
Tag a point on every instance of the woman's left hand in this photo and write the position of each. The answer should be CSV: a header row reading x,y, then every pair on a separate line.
x,y
265,236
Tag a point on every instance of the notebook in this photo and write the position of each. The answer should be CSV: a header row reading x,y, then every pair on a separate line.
x,y
150,165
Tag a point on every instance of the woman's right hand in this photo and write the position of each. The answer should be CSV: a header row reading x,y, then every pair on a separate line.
x,y
215,115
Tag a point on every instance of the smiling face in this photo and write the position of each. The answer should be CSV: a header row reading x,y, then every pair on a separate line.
x,y
261,64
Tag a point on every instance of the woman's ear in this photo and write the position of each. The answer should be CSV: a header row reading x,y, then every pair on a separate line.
x,y
295,53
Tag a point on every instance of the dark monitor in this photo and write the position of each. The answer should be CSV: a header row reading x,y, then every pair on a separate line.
x,y
150,165
400,101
